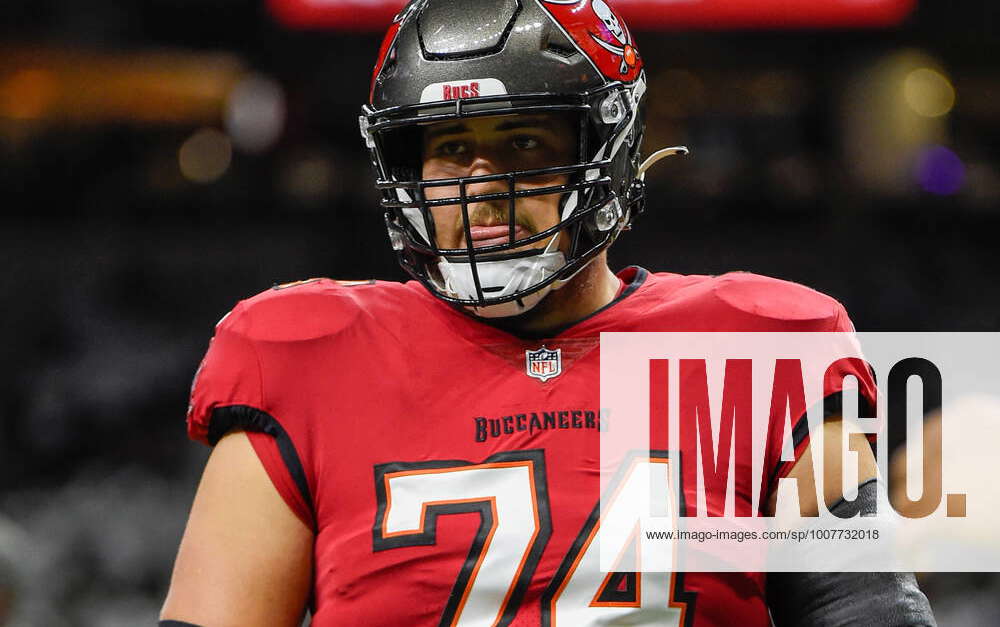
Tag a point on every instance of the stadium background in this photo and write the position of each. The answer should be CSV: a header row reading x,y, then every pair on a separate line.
x,y
160,160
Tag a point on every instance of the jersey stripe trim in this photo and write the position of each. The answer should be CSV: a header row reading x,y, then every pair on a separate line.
x,y
229,417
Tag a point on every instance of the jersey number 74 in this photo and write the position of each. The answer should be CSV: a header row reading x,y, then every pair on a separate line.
x,y
509,491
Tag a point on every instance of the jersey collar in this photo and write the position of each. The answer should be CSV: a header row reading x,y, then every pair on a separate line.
x,y
477,331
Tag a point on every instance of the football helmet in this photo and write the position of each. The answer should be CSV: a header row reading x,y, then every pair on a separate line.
x,y
443,60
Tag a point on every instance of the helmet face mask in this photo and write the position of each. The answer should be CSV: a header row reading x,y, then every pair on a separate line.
x,y
596,192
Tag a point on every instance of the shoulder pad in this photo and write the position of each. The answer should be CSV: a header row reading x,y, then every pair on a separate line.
x,y
349,283
774,299
304,310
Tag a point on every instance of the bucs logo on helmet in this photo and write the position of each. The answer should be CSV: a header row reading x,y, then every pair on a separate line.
x,y
601,34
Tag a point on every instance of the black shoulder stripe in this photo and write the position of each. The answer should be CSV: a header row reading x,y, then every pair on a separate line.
x,y
176,623
252,419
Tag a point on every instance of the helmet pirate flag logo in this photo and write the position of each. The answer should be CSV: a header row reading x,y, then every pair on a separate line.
x,y
543,363
600,34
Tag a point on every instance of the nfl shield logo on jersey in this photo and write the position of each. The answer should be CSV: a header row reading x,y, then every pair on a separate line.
x,y
543,364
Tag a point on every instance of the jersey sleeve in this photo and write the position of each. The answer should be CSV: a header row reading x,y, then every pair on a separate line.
x,y
839,376
857,367
229,376
227,394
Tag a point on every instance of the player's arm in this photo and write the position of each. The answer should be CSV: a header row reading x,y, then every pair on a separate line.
x,y
828,599
833,435
245,558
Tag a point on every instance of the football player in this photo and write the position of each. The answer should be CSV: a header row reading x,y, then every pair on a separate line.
x,y
427,453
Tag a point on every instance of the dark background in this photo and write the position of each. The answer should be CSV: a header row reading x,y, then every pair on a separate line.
x,y
116,263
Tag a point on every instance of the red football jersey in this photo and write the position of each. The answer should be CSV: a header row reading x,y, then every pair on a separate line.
x,y
444,484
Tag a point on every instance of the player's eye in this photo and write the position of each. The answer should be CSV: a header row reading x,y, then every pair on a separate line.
x,y
452,148
525,142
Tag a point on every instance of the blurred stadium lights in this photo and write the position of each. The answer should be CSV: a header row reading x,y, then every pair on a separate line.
x,y
255,113
310,180
892,110
640,14
929,92
776,93
28,94
939,171
47,85
205,156
686,90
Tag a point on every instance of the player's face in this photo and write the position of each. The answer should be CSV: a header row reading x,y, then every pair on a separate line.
x,y
494,145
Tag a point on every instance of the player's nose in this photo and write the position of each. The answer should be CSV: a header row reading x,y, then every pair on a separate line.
x,y
486,165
